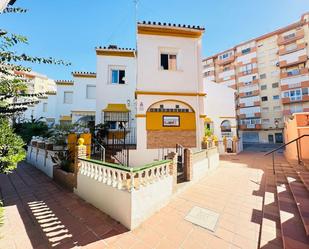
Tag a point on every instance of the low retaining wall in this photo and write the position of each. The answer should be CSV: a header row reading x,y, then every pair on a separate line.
x,y
41,159
203,161
129,195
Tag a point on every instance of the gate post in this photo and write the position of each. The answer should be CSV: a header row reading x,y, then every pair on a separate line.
x,y
188,170
173,167
81,152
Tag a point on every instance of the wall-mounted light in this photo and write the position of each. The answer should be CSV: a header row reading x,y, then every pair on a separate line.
x,y
276,123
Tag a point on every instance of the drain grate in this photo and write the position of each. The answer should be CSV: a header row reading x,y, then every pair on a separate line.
x,y
203,217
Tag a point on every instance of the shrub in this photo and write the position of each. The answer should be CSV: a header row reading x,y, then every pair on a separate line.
x,y
32,128
11,147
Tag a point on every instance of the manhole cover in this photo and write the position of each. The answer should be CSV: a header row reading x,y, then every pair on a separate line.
x,y
203,217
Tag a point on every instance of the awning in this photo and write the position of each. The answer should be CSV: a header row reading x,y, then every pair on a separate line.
x,y
207,120
83,113
65,118
116,108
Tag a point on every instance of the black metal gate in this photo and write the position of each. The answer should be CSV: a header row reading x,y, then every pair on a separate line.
x,y
180,162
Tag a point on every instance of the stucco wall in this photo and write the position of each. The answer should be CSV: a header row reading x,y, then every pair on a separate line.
x,y
40,159
107,93
129,208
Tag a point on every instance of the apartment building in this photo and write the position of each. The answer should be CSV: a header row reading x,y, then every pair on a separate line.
x,y
271,77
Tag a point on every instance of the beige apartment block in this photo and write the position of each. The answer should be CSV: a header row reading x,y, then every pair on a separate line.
x,y
271,76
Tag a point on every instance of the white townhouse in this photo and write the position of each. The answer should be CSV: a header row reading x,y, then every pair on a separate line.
x,y
116,84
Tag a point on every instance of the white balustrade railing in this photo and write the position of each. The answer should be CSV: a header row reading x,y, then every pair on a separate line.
x,y
124,178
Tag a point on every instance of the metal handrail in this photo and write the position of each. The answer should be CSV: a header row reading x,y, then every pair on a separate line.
x,y
284,145
102,150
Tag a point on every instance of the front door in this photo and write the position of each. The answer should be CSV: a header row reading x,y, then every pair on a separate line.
x,y
279,138
271,138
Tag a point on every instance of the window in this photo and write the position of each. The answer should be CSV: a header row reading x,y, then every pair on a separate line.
x,y
294,71
246,51
265,109
275,97
44,107
296,108
305,91
68,98
90,92
263,76
247,69
265,121
275,85
225,55
294,95
118,76
206,74
168,62
263,87
264,98
275,73
277,108
290,36
226,69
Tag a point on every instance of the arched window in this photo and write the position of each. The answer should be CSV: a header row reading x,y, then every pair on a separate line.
x,y
226,126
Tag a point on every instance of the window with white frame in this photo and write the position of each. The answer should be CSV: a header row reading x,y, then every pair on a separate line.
x,y
294,95
225,55
44,107
297,107
91,91
68,98
117,76
168,61
276,97
247,69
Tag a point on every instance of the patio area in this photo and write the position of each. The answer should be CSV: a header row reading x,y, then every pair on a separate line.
x,y
40,214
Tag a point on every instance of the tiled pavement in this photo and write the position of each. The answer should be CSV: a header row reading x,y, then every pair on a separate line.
x,y
40,214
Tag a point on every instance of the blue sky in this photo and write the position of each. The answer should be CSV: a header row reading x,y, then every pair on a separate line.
x,y
71,29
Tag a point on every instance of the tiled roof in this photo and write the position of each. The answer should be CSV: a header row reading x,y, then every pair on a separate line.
x,y
172,25
114,48
64,82
83,73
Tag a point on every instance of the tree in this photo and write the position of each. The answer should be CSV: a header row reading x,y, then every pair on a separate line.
x,y
14,94
11,147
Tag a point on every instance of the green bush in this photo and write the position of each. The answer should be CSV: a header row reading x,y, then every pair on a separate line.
x,y
27,130
11,147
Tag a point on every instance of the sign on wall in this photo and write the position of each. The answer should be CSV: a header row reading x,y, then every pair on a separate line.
x,y
171,121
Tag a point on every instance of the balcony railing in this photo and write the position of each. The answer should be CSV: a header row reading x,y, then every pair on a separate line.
x,y
124,178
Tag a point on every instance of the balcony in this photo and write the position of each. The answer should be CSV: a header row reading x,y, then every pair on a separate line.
x,y
286,39
225,61
255,103
299,81
248,72
248,83
246,54
297,47
294,58
246,59
250,127
295,99
249,94
293,73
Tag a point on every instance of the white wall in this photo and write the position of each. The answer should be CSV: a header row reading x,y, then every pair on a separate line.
x,y
80,100
62,108
41,159
129,208
220,105
108,93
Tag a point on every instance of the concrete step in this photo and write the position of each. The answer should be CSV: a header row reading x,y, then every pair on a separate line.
x,y
293,232
270,233
300,194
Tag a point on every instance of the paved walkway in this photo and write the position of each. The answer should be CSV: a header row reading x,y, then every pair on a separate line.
x,y
40,214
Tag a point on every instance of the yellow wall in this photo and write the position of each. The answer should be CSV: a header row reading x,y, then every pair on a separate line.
x,y
154,120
